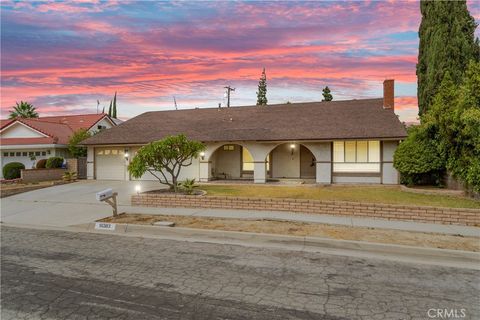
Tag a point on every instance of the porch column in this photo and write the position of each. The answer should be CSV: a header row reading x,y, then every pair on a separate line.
x,y
90,163
204,174
324,163
389,173
259,172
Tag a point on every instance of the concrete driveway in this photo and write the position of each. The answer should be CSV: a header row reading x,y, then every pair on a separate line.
x,y
68,204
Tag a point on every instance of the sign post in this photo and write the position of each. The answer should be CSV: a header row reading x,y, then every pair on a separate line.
x,y
109,197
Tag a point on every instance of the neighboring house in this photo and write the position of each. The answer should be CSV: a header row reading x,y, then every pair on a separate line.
x,y
326,142
22,139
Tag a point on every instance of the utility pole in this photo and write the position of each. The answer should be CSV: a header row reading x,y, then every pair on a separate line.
x,y
229,89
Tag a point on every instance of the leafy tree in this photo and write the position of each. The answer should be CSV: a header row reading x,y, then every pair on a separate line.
x,y
75,139
165,158
327,96
114,111
456,114
262,90
447,44
23,110
418,159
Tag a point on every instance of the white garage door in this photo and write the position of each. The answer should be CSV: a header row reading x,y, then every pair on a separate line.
x,y
109,164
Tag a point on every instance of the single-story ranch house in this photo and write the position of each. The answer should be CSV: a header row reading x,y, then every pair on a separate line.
x,y
44,137
324,142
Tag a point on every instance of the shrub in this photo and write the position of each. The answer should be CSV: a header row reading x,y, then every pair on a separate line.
x,y
418,159
41,163
188,186
69,176
54,162
12,170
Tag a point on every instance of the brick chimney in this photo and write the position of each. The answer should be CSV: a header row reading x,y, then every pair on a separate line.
x,y
389,94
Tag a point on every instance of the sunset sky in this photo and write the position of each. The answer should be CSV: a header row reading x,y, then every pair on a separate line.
x,y
64,56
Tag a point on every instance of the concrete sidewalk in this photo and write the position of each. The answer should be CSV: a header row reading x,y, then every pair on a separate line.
x,y
315,218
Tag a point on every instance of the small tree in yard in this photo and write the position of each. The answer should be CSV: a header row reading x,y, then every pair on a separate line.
x,y
75,139
165,158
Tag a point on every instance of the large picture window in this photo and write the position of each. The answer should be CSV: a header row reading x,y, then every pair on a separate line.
x,y
356,156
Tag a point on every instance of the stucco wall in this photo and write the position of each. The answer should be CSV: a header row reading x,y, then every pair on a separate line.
x,y
284,163
19,130
227,162
307,163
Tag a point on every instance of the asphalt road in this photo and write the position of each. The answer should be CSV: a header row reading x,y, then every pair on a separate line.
x,y
66,275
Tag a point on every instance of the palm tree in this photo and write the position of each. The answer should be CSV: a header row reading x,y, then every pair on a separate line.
x,y
23,110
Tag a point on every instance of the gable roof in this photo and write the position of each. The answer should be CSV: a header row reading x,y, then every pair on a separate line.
x,y
58,129
352,119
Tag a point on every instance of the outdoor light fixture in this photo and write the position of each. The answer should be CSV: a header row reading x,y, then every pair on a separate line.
x,y
126,154
292,148
202,154
138,188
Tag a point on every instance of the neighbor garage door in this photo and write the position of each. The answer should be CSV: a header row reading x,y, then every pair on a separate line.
x,y
109,164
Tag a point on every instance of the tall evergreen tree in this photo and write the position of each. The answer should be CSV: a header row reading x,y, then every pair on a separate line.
x,y
114,112
262,90
447,43
110,109
326,93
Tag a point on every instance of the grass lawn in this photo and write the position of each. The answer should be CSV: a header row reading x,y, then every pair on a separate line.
x,y
373,194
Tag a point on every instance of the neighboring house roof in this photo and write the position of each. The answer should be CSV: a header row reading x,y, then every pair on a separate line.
x,y
57,130
352,119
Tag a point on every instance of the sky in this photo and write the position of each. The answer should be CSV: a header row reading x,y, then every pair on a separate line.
x,y
64,56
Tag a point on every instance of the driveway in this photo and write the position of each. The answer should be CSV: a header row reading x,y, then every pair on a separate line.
x,y
68,204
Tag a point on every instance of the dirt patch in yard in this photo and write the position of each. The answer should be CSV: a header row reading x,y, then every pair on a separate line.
x,y
421,239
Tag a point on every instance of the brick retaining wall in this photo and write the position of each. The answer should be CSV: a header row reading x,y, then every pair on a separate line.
x,y
36,175
469,217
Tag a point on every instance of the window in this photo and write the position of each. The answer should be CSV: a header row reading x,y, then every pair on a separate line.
x,y
44,153
228,147
100,127
12,154
18,154
5,154
37,153
24,154
356,156
30,153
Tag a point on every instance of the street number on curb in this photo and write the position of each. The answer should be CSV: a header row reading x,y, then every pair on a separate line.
x,y
105,226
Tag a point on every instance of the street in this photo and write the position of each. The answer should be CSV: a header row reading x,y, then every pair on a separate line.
x,y
67,275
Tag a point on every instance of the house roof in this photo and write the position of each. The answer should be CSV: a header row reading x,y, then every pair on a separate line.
x,y
56,129
352,119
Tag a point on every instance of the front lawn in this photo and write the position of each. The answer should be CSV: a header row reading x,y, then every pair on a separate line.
x,y
372,194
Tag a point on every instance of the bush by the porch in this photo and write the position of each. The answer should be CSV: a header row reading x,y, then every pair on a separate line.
x,y
54,162
165,158
12,170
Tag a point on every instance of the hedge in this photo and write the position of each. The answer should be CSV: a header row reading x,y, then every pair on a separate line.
x,y
12,170
54,162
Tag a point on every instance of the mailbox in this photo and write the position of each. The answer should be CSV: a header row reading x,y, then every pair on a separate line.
x,y
104,194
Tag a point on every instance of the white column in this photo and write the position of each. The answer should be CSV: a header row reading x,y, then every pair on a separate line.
x,y
204,174
389,173
323,154
259,172
127,162
90,163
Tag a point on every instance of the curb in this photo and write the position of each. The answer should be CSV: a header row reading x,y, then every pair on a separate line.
x,y
359,249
